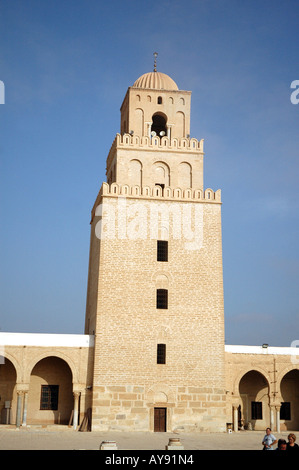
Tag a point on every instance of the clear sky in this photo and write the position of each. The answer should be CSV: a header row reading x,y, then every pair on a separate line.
x,y
66,66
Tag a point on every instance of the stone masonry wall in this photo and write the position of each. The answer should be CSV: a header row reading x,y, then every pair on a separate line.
x,y
128,382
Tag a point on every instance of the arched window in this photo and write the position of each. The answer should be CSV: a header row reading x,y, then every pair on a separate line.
x,y
159,101
159,125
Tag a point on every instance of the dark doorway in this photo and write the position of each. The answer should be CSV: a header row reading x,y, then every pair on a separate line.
x,y
160,420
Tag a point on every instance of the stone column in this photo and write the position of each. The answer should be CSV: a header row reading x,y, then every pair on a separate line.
x,y
272,410
236,427
24,422
19,408
278,418
76,409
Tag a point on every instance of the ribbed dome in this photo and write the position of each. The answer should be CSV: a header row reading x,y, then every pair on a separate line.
x,y
156,81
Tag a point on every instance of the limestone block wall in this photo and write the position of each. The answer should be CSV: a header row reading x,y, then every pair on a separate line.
x,y
128,382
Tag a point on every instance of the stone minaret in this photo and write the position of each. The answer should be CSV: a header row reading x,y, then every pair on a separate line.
x,y
155,290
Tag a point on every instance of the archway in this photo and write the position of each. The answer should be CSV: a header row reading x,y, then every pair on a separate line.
x,y
289,411
254,393
50,397
8,378
159,125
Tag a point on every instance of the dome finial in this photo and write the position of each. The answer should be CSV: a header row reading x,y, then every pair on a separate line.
x,y
155,61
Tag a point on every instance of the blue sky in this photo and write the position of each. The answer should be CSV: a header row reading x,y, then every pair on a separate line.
x,y
66,66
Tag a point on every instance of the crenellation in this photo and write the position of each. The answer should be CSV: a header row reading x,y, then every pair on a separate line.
x,y
146,143
156,193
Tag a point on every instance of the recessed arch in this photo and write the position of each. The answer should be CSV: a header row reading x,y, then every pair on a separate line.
x,y
289,411
6,356
160,390
50,397
185,175
139,122
161,174
8,380
135,173
67,359
254,391
161,281
180,124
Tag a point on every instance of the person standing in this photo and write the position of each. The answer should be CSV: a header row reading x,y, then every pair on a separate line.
x,y
269,440
291,445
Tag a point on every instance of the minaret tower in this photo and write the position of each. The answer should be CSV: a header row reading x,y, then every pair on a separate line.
x,y
155,290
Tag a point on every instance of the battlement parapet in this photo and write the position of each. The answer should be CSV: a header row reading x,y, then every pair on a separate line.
x,y
128,141
161,142
158,193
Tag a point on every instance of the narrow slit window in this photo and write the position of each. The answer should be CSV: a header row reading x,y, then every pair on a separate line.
x,y
159,99
161,354
162,298
162,250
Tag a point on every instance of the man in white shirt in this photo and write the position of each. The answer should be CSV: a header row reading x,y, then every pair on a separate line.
x,y
269,440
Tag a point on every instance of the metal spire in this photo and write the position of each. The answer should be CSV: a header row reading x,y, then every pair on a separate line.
x,y
155,61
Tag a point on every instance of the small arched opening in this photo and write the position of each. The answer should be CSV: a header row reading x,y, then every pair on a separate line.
x,y
159,126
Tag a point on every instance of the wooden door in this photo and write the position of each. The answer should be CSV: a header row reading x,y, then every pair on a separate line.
x,y
160,420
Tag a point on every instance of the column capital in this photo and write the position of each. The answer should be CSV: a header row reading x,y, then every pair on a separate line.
x,y
275,406
22,388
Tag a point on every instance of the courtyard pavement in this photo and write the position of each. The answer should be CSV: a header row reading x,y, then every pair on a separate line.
x,y
55,439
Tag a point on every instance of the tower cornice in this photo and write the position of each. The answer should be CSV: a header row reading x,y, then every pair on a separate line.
x,y
155,193
164,144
